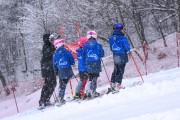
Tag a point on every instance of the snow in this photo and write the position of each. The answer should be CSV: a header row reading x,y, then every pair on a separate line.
x,y
157,99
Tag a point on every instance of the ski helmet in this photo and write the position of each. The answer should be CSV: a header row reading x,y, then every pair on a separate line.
x,y
58,43
118,26
82,41
91,33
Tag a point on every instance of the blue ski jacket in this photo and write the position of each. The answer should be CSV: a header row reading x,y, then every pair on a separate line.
x,y
62,61
81,59
93,53
119,45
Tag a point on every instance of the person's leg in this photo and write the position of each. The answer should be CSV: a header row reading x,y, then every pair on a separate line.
x,y
77,95
84,78
120,76
114,77
45,91
94,85
77,89
88,85
62,88
52,85
94,81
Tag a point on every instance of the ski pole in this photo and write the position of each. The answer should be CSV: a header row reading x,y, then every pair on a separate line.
x,y
13,89
136,67
71,88
60,30
145,56
78,29
76,78
106,72
177,44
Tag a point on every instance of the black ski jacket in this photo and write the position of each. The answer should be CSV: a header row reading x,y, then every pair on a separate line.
x,y
47,56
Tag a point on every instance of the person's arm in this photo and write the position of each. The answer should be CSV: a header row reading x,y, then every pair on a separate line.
x,y
101,51
55,63
110,43
72,61
126,44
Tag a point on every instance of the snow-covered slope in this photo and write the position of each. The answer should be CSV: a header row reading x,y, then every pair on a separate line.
x,y
157,99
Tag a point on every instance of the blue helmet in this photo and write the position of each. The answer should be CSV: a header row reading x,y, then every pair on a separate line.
x,y
118,26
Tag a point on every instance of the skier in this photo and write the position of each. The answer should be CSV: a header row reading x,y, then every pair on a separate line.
x,y
62,61
93,53
120,48
82,69
47,72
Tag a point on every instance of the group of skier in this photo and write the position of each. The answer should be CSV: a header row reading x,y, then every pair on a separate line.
x,y
58,61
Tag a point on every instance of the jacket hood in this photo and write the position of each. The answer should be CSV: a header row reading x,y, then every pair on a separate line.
x,y
92,43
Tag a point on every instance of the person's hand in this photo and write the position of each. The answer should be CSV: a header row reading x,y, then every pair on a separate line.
x,y
129,53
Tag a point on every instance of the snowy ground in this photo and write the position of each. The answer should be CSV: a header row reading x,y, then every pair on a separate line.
x,y
157,99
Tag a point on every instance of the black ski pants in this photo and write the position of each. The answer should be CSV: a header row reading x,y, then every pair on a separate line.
x,y
118,72
62,87
93,78
48,89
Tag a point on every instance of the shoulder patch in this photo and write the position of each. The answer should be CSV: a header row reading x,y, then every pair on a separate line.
x,y
114,38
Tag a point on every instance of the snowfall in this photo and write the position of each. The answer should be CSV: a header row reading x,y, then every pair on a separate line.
x,y
158,98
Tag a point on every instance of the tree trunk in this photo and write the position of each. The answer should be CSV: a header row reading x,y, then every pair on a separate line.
x,y
160,29
2,79
24,51
122,19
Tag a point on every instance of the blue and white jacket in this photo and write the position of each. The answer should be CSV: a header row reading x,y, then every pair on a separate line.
x,y
93,51
119,45
62,61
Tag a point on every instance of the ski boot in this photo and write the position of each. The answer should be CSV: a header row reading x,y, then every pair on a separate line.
x,y
41,106
77,96
119,86
112,88
88,95
48,103
95,94
59,102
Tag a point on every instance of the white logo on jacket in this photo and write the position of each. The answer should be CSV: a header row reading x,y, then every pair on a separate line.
x,y
92,55
115,47
62,62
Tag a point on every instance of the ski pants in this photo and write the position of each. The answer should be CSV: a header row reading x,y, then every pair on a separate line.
x,y
48,89
81,84
62,87
118,72
93,79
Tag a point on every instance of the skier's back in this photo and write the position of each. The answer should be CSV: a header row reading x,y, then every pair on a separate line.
x,y
93,53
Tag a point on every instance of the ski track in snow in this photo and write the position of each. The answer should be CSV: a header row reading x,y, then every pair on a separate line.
x,y
157,99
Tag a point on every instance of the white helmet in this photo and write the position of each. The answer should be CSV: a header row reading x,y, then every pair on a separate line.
x,y
59,43
91,33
